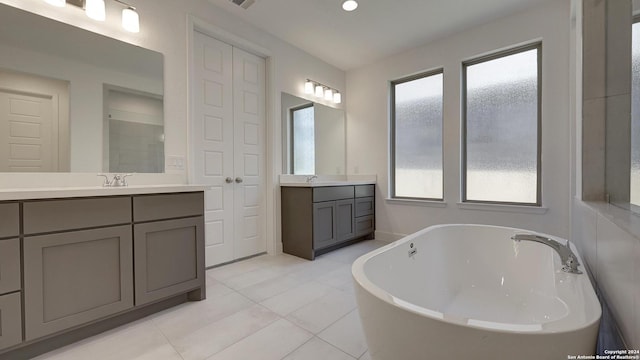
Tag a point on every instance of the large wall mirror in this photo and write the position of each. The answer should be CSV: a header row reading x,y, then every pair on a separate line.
x,y
73,100
313,137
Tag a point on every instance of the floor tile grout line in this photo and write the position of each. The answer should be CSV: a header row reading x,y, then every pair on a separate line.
x,y
298,308
335,347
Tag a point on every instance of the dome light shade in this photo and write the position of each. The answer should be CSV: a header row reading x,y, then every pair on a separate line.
x,y
58,3
350,5
130,20
95,9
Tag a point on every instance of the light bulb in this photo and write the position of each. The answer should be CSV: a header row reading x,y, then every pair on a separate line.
x,y
337,98
319,91
130,20
328,94
58,3
350,5
308,87
95,9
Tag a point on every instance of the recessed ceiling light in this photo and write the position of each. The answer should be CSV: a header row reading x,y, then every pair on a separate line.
x,y
349,5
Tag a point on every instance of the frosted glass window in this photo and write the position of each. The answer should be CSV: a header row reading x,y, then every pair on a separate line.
x,y
501,128
417,137
635,114
303,140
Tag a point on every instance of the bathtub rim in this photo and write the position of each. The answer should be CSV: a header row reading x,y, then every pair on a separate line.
x,y
361,280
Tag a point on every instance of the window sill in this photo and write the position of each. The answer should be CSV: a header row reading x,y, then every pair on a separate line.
x,y
417,202
504,208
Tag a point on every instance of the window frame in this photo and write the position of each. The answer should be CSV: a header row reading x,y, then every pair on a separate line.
x,y
392,118
463,97
292,134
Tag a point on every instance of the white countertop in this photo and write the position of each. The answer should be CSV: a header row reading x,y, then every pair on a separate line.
x,y
70,192
326,180
327,183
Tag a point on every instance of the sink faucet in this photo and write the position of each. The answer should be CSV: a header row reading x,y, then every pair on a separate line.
x,y
310,178
117,181
567,257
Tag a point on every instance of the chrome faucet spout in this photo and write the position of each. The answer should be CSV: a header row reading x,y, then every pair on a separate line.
x,y
567,257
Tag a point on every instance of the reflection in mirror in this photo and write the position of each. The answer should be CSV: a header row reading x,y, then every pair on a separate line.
x,y
54,78
133,131
313,137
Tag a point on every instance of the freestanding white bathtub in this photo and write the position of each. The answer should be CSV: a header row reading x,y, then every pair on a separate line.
x,y
471,292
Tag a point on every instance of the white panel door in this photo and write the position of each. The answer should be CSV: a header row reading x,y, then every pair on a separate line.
x,y
28,139
227,139
249,109
212,142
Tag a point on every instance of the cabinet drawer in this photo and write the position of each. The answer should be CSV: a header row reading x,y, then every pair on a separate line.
x,y
365,225
329,193
10,320
157,207
365,206
57,215
9,266
365,190
9,220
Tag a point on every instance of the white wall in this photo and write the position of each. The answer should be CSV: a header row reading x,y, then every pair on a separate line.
x,y
163,28
368,121
608,237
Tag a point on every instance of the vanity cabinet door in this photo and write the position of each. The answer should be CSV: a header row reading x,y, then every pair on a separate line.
x,y
324,224
10,320
72,278
168,258
9,265
345,225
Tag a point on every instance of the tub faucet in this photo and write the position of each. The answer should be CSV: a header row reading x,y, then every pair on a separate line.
x,y
567,257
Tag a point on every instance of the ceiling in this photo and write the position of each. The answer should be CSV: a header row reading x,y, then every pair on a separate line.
x,y
378,28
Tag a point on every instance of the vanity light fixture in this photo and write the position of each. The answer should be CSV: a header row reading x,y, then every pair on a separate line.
x,y
322,91
130,20
349,5
308,87
96,10
58,3
328,94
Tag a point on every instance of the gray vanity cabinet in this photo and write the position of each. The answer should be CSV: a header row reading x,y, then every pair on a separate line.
x,y
9,265
71,278
324,224
318,219
345,216
10,286
168,235
10,320
79,265
78,262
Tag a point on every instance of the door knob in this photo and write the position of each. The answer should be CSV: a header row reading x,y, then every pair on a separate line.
x,y
228,180
238,180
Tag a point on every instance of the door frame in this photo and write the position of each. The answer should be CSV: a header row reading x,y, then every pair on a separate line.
x,y
271,176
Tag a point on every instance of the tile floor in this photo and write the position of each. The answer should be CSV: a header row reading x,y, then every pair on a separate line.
x,y
264,308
